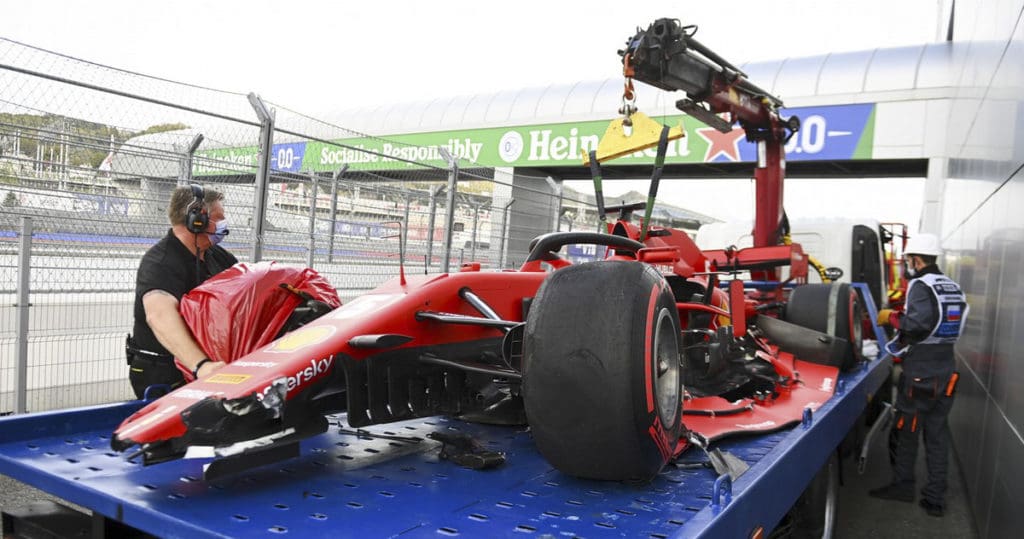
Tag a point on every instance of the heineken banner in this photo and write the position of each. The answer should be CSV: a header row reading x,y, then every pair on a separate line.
x,y
827,133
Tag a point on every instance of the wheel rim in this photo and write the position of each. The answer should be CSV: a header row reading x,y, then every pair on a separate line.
x,y
666,368
856,329
831,500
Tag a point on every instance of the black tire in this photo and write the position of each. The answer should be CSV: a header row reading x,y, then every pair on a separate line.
x,y
815,513
602,378
834,309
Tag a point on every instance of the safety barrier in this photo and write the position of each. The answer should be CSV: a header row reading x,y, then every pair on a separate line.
x,y
89,155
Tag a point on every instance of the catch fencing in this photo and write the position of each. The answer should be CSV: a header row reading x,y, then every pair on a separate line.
x,y
89,155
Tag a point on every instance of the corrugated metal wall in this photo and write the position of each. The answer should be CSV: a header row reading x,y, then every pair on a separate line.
x,y
982,228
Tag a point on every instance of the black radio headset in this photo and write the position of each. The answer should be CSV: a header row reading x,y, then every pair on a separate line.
x,y
197,218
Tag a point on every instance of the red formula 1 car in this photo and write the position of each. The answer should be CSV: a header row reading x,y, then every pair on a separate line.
x,y
616,365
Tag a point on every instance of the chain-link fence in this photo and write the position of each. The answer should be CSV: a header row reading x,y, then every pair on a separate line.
x,y
90,154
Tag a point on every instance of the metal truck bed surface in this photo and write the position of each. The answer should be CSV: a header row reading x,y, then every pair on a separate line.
x,y
347,485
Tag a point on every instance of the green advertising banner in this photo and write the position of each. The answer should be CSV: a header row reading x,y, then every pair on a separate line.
x,y
827,133
526,146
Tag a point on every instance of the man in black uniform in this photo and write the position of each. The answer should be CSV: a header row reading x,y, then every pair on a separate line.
x,y
182,260
936,310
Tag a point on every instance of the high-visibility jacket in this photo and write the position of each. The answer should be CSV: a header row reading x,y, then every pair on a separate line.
x,y
946,310
952,304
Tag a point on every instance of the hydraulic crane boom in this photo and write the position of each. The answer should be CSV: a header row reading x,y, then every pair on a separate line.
x,y
666,56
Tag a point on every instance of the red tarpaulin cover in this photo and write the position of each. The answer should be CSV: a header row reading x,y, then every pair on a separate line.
x,y
244,307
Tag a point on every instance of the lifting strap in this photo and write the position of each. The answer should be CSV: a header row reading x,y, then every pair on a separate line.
x,y
659,164
595,172
617,136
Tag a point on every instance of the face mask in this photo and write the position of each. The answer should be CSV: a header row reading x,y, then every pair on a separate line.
x,y
222,230
909,270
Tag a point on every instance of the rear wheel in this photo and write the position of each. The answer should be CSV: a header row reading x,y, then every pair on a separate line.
x,y
816,511
602,380
833,309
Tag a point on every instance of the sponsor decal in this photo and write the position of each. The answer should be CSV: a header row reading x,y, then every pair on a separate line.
x,y
334,155
301,338
657,433
224,378
287,157
216,161
191,394
374,151
721,146
756,426
510,147
259,364
315,369
953,313
827,133
827,384
363,306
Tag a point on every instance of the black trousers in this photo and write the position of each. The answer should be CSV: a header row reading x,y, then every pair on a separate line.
x,y
922,410
144,372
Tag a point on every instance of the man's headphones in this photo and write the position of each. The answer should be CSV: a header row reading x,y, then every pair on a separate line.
x,y
196,220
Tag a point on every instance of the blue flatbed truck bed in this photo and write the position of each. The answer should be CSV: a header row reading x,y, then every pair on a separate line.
x,y
346,485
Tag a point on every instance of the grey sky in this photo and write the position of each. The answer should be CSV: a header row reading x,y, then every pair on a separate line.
x,y
317,56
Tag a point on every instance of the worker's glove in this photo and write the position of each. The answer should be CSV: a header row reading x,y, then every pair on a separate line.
x,y
885,317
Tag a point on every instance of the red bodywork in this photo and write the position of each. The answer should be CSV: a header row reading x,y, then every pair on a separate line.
x,y
394,321
309,354
428,332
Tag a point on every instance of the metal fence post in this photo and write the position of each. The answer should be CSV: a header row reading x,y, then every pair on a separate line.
x,y
185,174
476,219
405,222
266,145
312,220
334,212
21,329
435,190
504,233
557,189
453,178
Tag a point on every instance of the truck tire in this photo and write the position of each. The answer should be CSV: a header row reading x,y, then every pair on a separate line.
x,y
602,377
815,513
834,309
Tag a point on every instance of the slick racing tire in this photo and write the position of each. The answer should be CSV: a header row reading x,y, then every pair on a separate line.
x,y
832,308
602,378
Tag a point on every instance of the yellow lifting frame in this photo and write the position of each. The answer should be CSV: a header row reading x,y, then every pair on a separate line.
x,y
616,142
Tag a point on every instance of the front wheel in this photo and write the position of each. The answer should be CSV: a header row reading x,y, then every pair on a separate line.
x,y
602,380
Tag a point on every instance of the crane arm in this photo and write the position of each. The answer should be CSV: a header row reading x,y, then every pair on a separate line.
x,y
667,56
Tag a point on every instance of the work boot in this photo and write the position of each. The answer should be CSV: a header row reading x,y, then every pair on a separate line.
x,y
899,492
933,509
